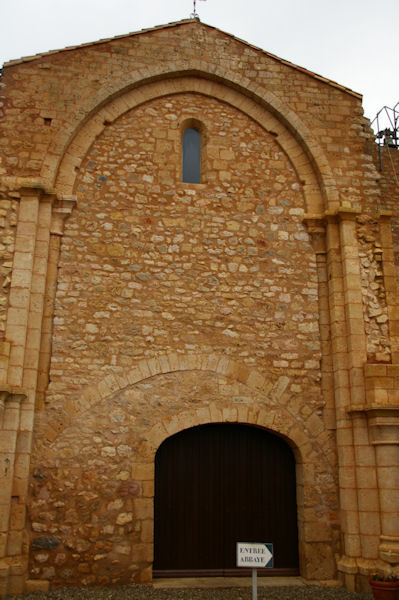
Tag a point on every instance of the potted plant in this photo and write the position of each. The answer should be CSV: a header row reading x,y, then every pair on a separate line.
x,y
384,586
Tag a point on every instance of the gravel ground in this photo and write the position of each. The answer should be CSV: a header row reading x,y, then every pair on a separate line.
x,y
140,592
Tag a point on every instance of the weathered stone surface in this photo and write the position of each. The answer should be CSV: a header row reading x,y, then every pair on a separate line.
x,y
373,291
152,306
50,542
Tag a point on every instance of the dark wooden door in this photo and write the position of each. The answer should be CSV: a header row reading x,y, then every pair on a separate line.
x,y
219,484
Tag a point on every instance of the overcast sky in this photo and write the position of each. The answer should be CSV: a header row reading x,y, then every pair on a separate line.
x,y
353,42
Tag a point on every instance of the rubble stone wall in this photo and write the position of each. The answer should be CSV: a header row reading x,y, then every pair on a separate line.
x,y
150,265
181,304
8,220
92,490
373,289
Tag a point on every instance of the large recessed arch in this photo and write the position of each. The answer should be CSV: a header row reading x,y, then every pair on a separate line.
x,y
71,145
269,406
282,420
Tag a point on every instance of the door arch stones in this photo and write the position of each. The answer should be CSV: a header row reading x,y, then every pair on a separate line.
x,y
107,387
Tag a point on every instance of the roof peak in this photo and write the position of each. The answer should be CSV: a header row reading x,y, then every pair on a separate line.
x,y
193,19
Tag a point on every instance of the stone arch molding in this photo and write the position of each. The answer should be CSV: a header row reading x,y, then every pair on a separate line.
x,y
70,146
281,420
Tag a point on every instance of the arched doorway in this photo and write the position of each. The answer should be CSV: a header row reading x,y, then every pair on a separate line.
x,y
218,484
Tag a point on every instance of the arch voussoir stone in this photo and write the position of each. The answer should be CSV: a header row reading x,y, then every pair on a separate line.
x,y
277,421
70,146
277,418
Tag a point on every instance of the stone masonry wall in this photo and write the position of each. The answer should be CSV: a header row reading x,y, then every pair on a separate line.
x,y
8,219
8,216
153,271
46,97
150,265
91,510
373,290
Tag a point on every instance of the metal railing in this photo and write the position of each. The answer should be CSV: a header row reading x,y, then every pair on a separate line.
x,y
386,126
386,129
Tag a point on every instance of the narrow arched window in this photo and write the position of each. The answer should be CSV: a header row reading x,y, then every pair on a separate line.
x,y
191,155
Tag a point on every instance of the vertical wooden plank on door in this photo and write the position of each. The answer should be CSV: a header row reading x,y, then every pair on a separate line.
x,y
218,484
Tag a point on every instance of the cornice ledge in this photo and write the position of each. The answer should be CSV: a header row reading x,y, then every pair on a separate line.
x,y
375,409
10,393
341,212
26,185
384,213
313,220
383,421
62,208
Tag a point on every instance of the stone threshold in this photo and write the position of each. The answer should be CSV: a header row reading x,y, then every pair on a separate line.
x,y
237,582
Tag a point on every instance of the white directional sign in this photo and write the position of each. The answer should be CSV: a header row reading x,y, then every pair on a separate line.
x,y
254,555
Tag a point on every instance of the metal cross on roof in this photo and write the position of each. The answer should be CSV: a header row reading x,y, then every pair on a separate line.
x,y
194,14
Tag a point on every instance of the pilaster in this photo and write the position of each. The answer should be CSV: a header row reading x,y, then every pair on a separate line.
x,y
317,230
62,208
11,505
382,413
339,242
40,213
366,494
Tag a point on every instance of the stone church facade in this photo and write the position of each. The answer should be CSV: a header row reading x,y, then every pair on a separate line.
x,y
135,306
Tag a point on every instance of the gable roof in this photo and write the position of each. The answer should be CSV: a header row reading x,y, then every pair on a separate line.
x,y
330,82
